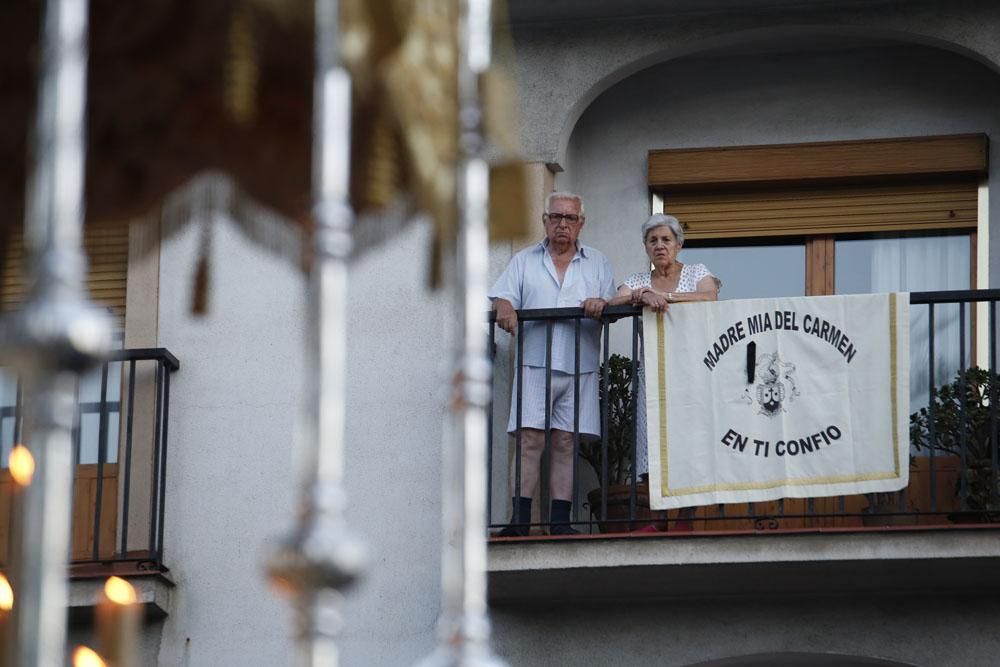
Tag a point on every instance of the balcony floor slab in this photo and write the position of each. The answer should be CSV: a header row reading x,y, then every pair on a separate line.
x,y
883,562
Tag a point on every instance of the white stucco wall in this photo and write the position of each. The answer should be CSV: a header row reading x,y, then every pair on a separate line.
x,y
565,64
229,475
941,631
398,363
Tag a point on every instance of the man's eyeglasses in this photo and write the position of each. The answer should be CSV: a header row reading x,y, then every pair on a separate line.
x,y
559,217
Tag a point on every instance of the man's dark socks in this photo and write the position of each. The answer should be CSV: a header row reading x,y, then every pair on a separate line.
x,y
559,517
519,519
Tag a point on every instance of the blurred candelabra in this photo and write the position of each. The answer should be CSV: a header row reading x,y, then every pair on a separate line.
x,y
463,626
322,558
56,335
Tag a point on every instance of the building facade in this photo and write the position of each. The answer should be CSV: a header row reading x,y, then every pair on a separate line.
x,y
602,84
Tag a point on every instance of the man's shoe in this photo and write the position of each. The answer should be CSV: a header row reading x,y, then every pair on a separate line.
x,y
562,529
514,530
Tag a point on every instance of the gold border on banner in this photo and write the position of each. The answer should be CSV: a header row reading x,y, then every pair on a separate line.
x,y
661,375
661,395
892,379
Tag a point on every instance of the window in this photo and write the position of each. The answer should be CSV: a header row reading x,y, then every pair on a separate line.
x,y
107,249
752,235
753,271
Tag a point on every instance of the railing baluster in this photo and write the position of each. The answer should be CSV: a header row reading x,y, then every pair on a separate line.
x,y
576,415
154,481
18,410
519,380
545,479
127,474
604,421
994,493
76,435
163,467
633,401
491,350
931,430
963,397
102,444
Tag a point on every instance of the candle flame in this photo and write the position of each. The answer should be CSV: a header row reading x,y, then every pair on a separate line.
x,y
119,591
6,594
21,464
87,657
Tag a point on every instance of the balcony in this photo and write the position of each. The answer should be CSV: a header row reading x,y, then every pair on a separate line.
x,y
815,544
120,459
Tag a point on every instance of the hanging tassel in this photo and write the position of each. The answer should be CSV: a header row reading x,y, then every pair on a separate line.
x,y
199,297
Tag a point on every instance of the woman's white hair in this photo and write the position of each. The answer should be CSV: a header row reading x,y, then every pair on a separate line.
x,y
661,220
563,195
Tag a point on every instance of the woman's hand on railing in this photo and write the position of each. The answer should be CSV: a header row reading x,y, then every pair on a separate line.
x,y
656,301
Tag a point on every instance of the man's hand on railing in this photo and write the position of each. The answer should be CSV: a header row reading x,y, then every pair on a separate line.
x,y
593,308
506,315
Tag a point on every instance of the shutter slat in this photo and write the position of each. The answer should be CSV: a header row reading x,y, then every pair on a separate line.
x,y
831,210
106,246
802,203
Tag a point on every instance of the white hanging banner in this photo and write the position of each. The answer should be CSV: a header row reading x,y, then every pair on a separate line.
x,y
760,399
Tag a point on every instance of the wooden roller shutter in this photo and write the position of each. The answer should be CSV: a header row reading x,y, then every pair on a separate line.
x,y
823,210
106,245
872,161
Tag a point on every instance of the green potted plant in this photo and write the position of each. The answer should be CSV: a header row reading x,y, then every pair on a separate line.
x,y
947,401
620,436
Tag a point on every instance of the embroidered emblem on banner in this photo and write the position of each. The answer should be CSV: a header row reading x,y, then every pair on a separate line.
x,y
777,383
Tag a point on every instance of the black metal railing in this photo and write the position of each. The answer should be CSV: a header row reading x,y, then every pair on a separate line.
x,y
955,472
120,458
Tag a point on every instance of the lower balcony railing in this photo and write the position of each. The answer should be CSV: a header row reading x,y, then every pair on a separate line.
x,y
120,460
954,467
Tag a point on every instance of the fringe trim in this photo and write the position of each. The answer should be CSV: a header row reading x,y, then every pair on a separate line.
x,y
213,193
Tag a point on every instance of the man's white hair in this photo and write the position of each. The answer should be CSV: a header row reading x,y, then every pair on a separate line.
x,y
563,195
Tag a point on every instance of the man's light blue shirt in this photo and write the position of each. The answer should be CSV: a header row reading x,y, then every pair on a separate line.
x,y
531,281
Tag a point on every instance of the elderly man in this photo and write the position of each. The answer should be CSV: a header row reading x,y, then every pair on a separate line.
x,y
558,272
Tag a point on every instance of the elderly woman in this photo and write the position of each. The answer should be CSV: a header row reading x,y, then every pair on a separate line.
x,y
668,282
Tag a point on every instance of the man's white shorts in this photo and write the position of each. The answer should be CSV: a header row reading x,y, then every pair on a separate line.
x,y
561,402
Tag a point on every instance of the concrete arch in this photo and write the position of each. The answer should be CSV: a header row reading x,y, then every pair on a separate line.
x,y
604,64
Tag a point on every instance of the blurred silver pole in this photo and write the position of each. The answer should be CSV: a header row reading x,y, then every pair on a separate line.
x,y
55,335
464,627
322,558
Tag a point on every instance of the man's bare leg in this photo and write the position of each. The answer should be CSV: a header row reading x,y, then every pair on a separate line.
x,y
561,483
561,475
532,445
